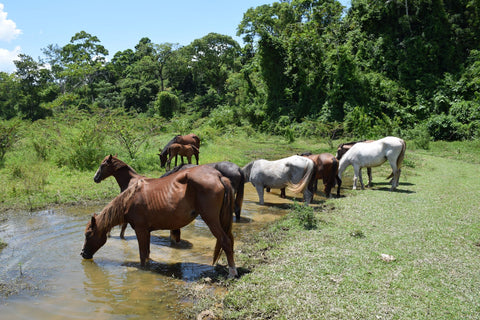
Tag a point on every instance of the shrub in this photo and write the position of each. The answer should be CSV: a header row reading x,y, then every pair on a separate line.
x,y
442,127
8,136
83,145
166,104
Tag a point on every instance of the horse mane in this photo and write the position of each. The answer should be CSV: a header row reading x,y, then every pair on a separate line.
x,y
114,213
247,169
119,164
350,143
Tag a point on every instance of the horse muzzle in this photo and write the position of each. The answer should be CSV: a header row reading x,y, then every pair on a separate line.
x,y
86,255
98,177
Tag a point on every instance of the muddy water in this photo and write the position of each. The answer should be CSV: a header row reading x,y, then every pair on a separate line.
x,y
47,278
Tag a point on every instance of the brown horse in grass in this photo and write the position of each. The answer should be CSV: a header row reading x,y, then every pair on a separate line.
x,y
126,177
189,139
169,203
326,167
183,150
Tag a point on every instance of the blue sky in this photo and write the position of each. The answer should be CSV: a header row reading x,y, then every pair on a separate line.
x,y
27,26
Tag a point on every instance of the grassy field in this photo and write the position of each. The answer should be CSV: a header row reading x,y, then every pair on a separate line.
x,y
31,183
372,254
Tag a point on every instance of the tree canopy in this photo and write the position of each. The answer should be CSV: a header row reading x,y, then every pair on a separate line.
x,y
382,67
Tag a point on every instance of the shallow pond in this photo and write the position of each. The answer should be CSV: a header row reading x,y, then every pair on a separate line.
x,y
46,277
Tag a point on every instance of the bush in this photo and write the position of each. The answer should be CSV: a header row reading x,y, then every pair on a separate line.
x,y
166,104
8,136
443,127
82,146
419,136
304,217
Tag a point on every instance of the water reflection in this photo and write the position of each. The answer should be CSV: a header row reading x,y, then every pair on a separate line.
x,y
55,282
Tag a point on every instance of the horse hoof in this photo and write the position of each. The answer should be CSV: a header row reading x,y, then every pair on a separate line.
x,y
232,272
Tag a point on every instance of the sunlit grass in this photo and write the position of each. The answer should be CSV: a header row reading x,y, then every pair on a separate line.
x,y
375,254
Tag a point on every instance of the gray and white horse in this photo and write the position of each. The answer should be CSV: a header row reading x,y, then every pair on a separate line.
x,y
373,154
294,172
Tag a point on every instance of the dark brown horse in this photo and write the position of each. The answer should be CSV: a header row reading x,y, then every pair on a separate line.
x,y
183,150
326,168
229,170
126,177
189,139
169,203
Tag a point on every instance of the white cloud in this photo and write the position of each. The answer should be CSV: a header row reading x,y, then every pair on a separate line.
x,y
7,57
8,28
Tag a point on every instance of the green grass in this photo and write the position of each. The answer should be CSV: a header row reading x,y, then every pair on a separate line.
x,y
29,182
322,263
431,228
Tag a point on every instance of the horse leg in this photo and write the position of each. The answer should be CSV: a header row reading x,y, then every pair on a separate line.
x,y
196,158
360,178
369,172
260,193
167,165
175,236
357,174
224,240
189,159
307,196
396,173
282,193
143,237
122,232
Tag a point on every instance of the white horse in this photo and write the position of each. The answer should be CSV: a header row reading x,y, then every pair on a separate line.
x,y
373,154
294,172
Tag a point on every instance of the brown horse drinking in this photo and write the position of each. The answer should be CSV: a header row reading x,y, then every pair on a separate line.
x,y
183,150
126,177
326,168
189,139
169,203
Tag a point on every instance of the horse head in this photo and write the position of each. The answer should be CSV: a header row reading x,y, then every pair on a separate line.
x,y
106,169
94,239
163,158
342,149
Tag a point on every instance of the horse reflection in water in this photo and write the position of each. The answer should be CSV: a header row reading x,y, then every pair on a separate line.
x,y
169,203
294,172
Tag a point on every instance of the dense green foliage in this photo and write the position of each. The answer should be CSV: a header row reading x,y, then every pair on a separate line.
x,y
405,67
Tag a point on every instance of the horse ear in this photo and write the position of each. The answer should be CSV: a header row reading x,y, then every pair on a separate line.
x,y
110,158
93,223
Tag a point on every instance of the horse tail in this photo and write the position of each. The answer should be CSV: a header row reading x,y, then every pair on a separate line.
x,y
402,154
332,179
307,176
195,149
239,196
197,141
226,216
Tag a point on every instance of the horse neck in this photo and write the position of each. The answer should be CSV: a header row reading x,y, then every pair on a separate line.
x,y
125,176
342,165
246,171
